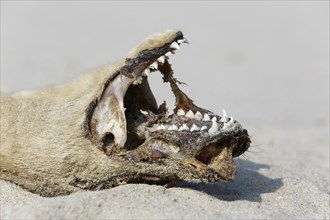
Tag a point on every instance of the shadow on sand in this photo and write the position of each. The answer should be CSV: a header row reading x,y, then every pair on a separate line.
x,y
248,185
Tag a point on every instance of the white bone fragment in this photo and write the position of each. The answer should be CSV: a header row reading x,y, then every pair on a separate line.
x,y
161,59
173,128
206,117
175,46
154,65
143,112
180,112
214,127
224,116
198,115
194,128
184,127
203,128
190,114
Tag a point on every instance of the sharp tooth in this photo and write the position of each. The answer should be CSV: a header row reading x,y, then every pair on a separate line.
x,y
146,72
161,59
190,114
198,115
194,128
214,127
184,127
214,119
173,128
154,65
175,46
206,117
161,127
224,116
168,54
138,81
180,41
180,112
203,128
230,123
144,112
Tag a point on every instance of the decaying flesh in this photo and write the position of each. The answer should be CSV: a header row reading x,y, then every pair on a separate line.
x,y
106,129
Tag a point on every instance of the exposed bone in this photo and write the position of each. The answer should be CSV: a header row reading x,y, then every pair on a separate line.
x,y
190,114
161,59
224,116
214,127
206,117
154,65
198,115
184,127
180,112
203,128
175,46
194,128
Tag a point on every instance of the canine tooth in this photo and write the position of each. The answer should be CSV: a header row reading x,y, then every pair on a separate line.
x,y
184,40
206,117
175,46
154,65
190,114
214,127
194,128
203,128
144,112
180,112
184,127
173,128
161,59
146,72
224,116
198,115
168,54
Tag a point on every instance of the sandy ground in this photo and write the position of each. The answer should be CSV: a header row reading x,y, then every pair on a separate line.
x,y
266,63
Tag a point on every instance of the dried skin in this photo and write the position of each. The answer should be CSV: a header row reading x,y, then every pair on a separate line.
x,y
106,129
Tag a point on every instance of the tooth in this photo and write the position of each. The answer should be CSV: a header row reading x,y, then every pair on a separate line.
x,y
184,127
161,127
146,72
198,115
214,127
168,54
230,123
206,117
180,41
184,40
190,114
194,128
175,46
203,128
180,112
224,116
173,128
144,112
161,59
154,65
138,81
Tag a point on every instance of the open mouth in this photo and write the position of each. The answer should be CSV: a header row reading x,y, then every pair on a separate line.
x,y
127,121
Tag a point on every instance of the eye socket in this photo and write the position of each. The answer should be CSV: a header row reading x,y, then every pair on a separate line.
x,y
108,139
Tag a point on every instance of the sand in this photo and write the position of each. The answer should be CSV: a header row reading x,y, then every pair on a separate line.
x,y
286,177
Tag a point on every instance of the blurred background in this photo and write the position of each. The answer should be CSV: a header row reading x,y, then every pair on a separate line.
x,y
266,63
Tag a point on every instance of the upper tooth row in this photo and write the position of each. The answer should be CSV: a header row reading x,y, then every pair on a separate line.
x,y
199,116
161,60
